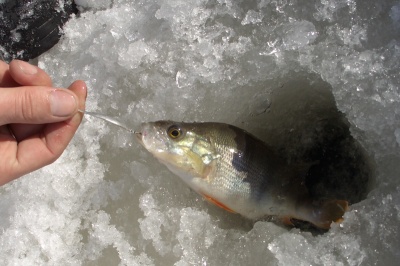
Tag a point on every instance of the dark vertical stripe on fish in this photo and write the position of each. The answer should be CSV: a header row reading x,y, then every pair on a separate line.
x,y
253,158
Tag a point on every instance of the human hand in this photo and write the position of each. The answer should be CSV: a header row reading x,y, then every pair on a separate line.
x,y
37,121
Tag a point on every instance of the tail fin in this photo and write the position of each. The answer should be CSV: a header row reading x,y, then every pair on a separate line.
x,y
328,212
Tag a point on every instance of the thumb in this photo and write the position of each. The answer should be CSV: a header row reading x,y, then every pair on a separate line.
x,y
36,105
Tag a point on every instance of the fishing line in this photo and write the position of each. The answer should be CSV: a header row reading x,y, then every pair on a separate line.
x,y
109,119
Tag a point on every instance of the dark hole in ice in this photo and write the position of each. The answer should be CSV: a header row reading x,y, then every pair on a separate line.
x,y
312,130
300,119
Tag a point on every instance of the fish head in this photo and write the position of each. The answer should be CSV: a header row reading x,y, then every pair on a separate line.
x,y
182,147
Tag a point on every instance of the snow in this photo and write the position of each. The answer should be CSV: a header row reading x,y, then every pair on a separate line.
x,y
271,67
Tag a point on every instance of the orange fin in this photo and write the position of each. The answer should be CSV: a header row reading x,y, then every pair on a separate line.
x,y
217,203
331,211
286,220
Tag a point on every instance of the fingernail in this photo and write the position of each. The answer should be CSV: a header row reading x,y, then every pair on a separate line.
x,y
27,68
62,103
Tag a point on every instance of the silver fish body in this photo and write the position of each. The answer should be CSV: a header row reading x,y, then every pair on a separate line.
x,y
236,171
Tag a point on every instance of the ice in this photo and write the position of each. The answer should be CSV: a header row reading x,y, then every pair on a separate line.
x,y
278,69
298,34
133,56
395,15
252,17
93,4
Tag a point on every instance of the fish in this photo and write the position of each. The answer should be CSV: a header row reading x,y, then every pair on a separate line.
x,y
237,172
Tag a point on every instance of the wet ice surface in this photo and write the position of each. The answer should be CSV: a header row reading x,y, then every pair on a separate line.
x,y
106,201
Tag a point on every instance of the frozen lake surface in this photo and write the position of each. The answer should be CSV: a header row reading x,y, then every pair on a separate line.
x,y
304,76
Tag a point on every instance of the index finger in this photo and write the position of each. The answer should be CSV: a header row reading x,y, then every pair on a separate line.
x,y
6,80
28,75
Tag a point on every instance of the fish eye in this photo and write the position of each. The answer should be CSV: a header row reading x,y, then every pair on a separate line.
x,y
174,132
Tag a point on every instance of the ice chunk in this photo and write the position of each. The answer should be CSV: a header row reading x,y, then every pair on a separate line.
x,y
252,17
298,34
93,4
155,222
196,235
326,10
132,57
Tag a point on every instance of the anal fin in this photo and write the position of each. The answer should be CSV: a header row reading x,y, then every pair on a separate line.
x,y
286,220
217,203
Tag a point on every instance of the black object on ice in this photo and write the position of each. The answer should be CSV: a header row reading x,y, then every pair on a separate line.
x,y
29,28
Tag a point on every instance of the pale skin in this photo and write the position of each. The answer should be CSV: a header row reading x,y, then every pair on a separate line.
x,y
37,121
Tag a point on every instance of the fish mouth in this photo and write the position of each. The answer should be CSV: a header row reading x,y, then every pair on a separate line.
x,y
139,137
